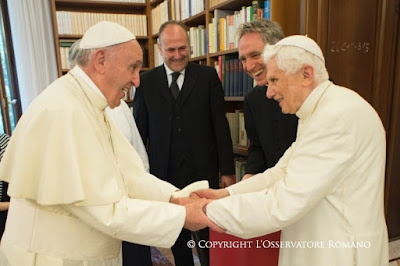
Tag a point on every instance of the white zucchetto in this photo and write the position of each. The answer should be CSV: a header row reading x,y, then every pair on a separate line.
x,y
105,33
304,43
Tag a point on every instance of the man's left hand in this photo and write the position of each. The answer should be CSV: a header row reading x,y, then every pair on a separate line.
x,y
227,180
185,200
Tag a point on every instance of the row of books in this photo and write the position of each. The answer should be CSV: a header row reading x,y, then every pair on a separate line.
x,y
256,3
65,46
222,28
76,23
175,10
158,60
190,8
198,41
64,51
236,126
240,168
262,9
160,14
235,81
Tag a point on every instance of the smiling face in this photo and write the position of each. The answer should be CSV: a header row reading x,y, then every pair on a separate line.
x,y
250,48
174,47
290,90
122,66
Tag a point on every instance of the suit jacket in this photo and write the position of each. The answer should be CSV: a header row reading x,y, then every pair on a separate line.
x,y
192,129
269,130
325,193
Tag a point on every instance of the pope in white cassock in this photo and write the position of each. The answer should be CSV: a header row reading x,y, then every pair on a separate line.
x,y
77,186
326,192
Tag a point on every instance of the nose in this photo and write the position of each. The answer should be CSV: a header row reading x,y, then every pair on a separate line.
x,y
249,65
176,53
270,92
136,79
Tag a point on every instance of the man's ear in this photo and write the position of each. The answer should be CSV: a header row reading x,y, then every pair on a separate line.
x,y
99,61
159,47
307,72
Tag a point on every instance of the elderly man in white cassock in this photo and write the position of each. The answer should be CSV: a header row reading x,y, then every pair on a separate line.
x,y
77,186
326,192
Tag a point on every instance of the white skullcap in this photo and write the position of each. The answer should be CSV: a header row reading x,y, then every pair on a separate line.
x,y
105,34
304,43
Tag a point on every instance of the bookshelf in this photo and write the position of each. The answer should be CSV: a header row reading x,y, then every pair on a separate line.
x,y
289,18
287,12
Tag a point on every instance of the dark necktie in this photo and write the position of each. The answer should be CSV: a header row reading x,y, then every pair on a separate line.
x,y
174,86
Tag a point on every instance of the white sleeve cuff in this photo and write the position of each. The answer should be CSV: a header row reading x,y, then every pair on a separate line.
x,y
230,191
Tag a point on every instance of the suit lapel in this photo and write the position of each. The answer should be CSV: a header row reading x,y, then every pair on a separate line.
x,y
188,84
162,82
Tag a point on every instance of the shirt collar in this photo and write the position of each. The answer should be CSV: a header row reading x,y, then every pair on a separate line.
x,y
89,88
87,79
169,71
311,102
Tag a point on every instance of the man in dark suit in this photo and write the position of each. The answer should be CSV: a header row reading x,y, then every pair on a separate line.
x,y
179,111
270,132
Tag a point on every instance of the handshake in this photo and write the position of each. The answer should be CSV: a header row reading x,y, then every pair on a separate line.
x,y
195,198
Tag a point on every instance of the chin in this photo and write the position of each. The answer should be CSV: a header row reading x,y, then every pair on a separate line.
x,y
178,67
114,104
284,110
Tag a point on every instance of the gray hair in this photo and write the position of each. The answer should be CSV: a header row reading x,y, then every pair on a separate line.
x,y
82,56
270,31
291,59
79,56
74,53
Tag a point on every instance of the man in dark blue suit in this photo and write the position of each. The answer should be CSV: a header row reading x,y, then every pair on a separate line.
x,y
179,111
270,132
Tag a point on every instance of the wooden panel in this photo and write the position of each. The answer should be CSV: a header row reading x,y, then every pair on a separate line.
x,y
387,30
152,41
392,192
393,166
287,13
316,21
350,46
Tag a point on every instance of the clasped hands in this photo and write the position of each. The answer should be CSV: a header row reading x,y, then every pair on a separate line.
x,y
195,205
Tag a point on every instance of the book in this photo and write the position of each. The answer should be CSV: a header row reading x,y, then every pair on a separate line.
x,y
267,9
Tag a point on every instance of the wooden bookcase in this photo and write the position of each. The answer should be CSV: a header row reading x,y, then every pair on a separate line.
x,y
286,12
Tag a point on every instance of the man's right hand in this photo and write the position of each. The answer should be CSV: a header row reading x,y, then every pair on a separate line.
x,y
212,193
196,218
247,176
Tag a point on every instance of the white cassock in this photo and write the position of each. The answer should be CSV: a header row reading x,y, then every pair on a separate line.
x,y
325,193
77,186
